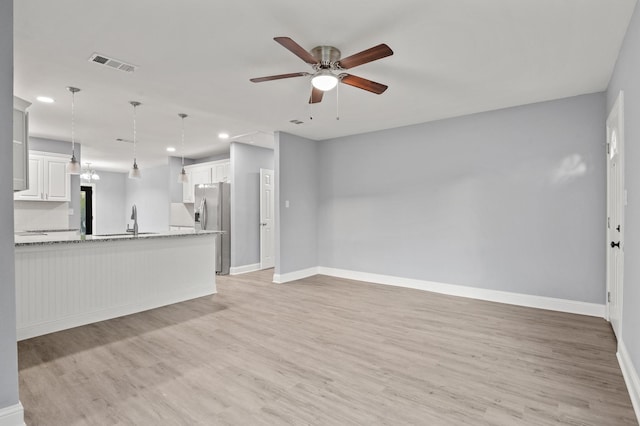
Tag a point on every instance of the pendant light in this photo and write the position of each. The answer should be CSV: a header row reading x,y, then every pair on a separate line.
x,y
134,173
73,166
183,177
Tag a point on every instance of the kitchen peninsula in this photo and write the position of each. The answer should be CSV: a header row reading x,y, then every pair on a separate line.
x,y
68,281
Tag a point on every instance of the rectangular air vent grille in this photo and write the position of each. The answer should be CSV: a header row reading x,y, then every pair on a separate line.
x,y
296,121
112,63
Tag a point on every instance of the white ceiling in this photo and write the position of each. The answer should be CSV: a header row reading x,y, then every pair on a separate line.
x,y
451,58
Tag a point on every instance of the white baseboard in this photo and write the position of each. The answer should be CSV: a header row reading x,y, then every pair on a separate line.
x,y
12,415
630,377
540,302
295,275
237,270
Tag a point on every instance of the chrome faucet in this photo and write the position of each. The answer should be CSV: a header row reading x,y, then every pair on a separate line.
x,y
134,217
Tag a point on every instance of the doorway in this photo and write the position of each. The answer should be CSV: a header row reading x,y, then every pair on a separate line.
x,y
267,241
87,220
615,214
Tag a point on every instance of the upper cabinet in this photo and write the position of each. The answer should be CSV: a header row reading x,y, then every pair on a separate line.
x,y
48,178
20,144
211,172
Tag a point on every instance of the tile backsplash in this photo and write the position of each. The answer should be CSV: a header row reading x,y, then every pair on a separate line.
x,y
30,215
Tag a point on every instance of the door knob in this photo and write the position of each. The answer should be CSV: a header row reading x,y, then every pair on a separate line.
x,y
618,228
263,224
615,244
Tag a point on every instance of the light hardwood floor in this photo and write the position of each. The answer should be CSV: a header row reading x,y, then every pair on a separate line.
x,y
327,351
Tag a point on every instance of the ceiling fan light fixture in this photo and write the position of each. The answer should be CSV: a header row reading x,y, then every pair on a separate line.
x,y
324,80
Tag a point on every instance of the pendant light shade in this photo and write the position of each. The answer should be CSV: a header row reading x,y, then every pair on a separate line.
x,y
73,166
183,177
134,173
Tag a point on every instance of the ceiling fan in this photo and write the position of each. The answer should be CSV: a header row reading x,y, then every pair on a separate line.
x,y
328,67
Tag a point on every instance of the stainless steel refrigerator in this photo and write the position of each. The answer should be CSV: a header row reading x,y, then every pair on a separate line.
x,y
212,211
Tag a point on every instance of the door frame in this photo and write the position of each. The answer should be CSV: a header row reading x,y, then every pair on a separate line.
x,y
273,225
618,107
93,204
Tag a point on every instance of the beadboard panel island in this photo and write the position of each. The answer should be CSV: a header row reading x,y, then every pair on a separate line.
x,y
67,282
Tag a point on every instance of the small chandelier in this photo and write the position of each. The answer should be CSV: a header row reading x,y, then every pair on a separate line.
x,y
89,175
134,173
183,177
73,166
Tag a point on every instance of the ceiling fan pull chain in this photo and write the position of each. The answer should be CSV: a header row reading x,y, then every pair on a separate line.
x,y
338,102
311,104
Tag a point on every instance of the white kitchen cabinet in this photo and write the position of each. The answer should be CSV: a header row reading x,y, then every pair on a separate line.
x,y
220,172
48,178
210,172
20,144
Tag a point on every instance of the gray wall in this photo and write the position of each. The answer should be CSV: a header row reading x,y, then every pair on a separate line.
x,y
63,147
246,162
510,200
297,182
626,77
8,348
110,210
151,196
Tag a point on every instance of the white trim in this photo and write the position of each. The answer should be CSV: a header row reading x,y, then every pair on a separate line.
x,y
12,415
630,377
540,302
237,270
295,275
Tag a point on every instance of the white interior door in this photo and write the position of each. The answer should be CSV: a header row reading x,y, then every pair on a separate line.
x,y
267,259
615,213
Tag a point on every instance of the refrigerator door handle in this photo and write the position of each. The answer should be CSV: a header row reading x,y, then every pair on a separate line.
x,y
203,213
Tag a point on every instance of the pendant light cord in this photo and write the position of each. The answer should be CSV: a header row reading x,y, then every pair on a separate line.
x,y
134,133
182,144
73,124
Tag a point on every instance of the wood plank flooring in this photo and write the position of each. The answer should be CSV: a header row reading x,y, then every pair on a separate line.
x,y
327,351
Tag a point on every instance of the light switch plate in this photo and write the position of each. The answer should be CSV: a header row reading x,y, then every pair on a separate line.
x,y
286,204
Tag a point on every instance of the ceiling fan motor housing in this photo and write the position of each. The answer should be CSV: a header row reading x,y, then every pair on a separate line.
x,y
327,56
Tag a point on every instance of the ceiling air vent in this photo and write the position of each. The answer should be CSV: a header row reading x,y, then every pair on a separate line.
x,y
112,63
296,121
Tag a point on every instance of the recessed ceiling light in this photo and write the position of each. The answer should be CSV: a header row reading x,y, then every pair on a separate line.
x,y
223,135
171,149
45,99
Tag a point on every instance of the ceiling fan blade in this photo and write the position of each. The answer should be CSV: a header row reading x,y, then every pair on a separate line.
x,y
363,83
278,77
316,96
377,52
296,49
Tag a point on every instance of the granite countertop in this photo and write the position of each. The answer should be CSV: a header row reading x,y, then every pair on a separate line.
x,y
43,238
